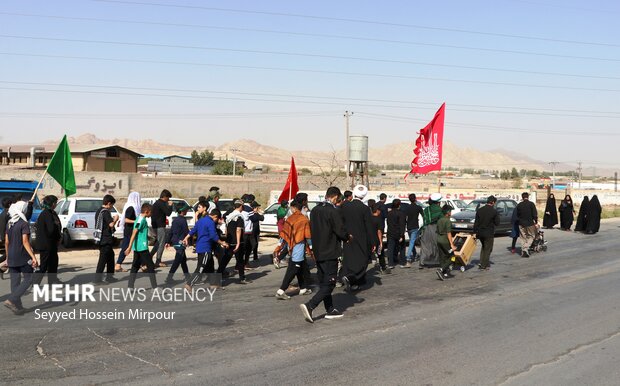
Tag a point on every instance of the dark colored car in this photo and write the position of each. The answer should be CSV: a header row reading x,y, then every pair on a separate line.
x,y
11,188
464,220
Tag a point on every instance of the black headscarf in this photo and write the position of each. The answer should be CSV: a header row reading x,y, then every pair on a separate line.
x,y
582,217
551,214
594,216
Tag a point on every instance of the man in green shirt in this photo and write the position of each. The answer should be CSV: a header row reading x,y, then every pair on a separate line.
x,y
445,243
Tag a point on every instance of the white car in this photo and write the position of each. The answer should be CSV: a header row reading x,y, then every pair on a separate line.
x,y
77,218
189,215
270,224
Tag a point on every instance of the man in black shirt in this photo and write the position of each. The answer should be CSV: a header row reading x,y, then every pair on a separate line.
x,y
378,229
486,220
234,237
527,215
105,222
413,212
162,208
48,237
396,225
328,233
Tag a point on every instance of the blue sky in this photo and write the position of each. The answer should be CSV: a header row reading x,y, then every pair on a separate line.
x,y
528,76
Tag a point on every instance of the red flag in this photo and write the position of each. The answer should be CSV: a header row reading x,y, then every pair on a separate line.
x,y
429,145
291,188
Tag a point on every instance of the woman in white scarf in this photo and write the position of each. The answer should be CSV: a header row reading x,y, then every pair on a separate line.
x,y
133,201
16,246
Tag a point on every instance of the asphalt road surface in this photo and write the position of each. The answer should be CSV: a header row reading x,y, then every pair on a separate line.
x,y
552,319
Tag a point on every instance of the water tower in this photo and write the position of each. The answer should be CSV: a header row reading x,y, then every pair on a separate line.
x,y
358,160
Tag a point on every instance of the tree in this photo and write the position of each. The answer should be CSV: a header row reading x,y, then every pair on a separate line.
x,y
225,168
305,172
331,174
204,158
514,173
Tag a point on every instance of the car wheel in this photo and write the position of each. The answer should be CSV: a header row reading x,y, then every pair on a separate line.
x,y
66,239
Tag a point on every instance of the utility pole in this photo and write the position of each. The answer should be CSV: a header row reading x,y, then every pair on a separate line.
x,y
579,169
234,150
347,115
553,163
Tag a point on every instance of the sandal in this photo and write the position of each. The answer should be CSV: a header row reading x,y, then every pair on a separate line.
x,y
162,264
118,268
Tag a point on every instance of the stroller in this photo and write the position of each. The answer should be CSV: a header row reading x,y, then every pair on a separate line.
x,y
539,244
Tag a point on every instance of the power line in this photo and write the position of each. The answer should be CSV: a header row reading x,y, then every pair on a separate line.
x,y
362,21
314,35
321,97
306,55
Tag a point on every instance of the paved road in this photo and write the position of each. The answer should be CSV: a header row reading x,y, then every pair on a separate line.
x,y
548,320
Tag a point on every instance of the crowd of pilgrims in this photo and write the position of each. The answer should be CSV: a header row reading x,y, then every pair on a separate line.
x,y
341,236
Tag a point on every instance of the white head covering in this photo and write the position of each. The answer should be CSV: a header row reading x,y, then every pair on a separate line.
x,y
360,192
17,212
134,201
436,197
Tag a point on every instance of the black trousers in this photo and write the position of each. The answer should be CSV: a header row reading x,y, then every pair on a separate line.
x,y
485,251
239,256
255,249
180,259
106,260
139,259
294,269
48,265
248,241
204,265
395,248
327,272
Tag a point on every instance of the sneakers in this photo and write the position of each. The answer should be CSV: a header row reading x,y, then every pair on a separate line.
x,y
525,253
307,312
483,268
334,314
305,291
346,283
281,295
439,273
407,265
513,250
245,281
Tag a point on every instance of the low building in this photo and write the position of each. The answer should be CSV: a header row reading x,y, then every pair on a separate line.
x,y
175,164
91,158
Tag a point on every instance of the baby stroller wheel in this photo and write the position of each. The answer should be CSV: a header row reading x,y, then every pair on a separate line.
x,y
463,268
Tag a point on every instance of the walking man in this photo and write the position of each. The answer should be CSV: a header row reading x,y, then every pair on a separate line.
x,y
328,233
396,223
486,220
105,223
357,222
413,212
162,208
527,216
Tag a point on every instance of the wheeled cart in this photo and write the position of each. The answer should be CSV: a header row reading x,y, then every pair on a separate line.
x,y
465,244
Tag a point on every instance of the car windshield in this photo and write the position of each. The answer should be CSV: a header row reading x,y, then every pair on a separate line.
x,y
460,204
90,206
176,201
473,206
25,197
273,209
224,205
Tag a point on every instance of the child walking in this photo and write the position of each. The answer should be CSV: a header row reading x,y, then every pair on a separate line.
x,y
176,238
139,243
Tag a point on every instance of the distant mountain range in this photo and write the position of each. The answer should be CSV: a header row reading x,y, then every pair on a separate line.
x,y
255,153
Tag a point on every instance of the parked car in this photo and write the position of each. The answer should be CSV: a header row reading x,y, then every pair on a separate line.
x,y
77,218
189,216
464,220
270,224
10,188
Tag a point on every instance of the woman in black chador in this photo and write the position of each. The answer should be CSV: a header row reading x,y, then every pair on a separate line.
x,y
594,216
551,214
582,217
567,213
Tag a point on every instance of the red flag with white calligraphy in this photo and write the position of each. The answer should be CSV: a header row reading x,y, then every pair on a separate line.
x,y
292,187
429,145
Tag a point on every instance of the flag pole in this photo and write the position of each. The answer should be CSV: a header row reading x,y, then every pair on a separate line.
x,y
38,185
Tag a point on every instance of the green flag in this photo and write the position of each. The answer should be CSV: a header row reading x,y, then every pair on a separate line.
x,y
61,168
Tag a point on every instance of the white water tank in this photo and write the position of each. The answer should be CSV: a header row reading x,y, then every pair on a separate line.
x,y
358,148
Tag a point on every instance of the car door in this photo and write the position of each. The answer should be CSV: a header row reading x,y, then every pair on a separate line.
x,y
504,218
62,210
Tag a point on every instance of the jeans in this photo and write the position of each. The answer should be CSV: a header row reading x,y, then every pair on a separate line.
x,y
124,246
19,285
411,253
180,259
327,272
160,244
